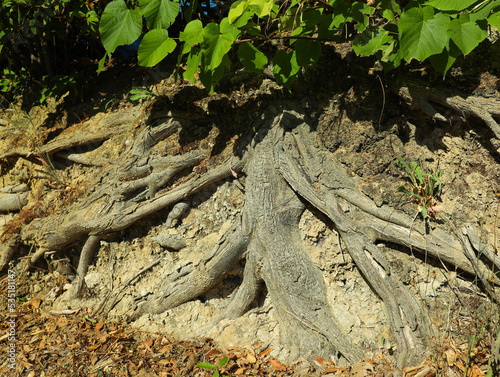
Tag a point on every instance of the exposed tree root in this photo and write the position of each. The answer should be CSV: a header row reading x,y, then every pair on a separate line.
x,y
285,171
421,97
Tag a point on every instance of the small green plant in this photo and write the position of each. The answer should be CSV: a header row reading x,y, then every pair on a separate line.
x,y
215,368
426,186
140,93
387,345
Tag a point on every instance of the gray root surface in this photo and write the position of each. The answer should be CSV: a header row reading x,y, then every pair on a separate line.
x,y
286,171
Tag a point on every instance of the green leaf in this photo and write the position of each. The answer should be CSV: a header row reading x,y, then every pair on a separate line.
x,y
193,62
243,20
206,366
360,12
261,8
390,9
421,33
101,63
139,93
119,25
285,67
193,33
251,58
442,62
237,9
215,45
209,76
484,10
371,40
160,14
457,5
407,192
226,27
223,361
155,46
465,33
308,52
494,20
265,7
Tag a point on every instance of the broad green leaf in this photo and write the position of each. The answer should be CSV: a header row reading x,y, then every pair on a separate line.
x,y
193,33
390,9
371,40
483,10
360,13
328,25
243,20
494,20
251,58
261,8
186,48
237,9
442,62
215,45
265,7
160,14
226,27
193,62
421,34
154,47
311,20
308,52
465,33
119,25
209,76
451,4
285,67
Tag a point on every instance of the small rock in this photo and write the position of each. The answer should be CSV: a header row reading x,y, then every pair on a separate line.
x,y
175,213
170,241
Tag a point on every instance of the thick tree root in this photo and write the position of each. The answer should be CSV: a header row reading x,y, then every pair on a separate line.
x,y
186,284
420,97
286,171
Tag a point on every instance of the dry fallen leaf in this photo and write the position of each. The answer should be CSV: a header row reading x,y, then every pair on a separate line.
x,y
192,360
251,358
212,352
265,353
239,371
277,365
334,369
35,303
362,369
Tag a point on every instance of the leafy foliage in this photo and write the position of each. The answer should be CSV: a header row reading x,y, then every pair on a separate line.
x,y
39,41
438,30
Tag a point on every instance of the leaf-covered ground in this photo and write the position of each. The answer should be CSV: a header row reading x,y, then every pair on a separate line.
x,y
73,343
